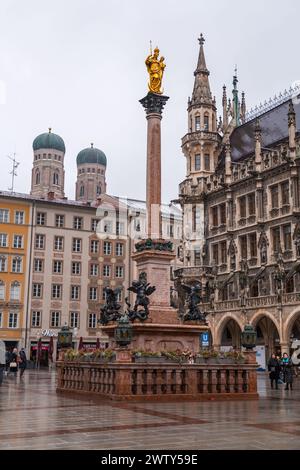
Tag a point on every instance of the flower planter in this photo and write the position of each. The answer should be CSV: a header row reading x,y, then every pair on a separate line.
x,y
200,360
213,360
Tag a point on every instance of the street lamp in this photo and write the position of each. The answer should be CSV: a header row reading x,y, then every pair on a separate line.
x,y
64,338
248,337
123,331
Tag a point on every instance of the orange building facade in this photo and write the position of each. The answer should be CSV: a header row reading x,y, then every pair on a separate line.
x,y
14,239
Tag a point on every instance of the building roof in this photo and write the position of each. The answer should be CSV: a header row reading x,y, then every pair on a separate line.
x,y
48,140
274,128
139,205
91,155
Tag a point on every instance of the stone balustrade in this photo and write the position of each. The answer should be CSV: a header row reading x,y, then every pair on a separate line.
x,y
151,381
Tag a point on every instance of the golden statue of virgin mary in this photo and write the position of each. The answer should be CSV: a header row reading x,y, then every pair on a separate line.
x,y
155,68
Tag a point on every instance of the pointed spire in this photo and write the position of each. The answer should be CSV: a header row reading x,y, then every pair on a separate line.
x,y
225,111
257,137
243,108
291,114
292,129
235,99
201,92
201,65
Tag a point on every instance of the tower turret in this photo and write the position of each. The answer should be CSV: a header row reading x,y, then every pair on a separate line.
x,y
200,144
48,174
91,168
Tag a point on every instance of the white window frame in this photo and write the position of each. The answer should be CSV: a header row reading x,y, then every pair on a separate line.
x,y
74,319
94,269
92,321
107,248
15,319
3,240
119,272
76,263
16,242
40,262
94,246
39,242
15,291
36,318
77,245
4,216
19,217
106,270
41,219
58,243
56,291
37,287
93,294
77,223
3,264
55,315
59,220
17,262
57,262
75,292
119,249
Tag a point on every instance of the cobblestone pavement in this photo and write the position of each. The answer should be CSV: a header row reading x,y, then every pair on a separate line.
x,y
33,416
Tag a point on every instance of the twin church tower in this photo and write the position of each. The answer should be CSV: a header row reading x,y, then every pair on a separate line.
x,y
48,174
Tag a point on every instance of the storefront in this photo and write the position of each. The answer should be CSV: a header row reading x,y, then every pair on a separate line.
x,y
44,353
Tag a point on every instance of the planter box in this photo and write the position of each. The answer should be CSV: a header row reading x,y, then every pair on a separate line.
x,y
155,360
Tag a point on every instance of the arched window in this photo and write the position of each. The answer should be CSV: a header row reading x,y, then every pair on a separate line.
x,y
98,191
81,192
37,177
55,178
197,123
15,291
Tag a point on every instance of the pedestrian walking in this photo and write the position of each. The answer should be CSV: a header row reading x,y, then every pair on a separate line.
x,y
13,365
287,369
274,369
22,362
2,360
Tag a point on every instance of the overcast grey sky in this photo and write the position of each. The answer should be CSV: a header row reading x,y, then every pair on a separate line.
x,y
78,66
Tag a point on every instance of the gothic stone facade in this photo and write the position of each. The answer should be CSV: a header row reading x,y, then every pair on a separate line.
x,y
241,214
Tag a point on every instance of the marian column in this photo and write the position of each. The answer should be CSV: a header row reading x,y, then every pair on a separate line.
x,y
154,254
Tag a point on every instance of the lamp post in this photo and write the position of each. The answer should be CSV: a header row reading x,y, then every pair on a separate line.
x,y
64,338
248,341
123,337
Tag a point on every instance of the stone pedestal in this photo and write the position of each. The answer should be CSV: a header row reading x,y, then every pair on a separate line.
x,y
123,355
167,335
156,265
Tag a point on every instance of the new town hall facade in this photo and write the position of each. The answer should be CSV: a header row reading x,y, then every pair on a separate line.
x,y
241,213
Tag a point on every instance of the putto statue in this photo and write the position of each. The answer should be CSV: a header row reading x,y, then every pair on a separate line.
x,y
142,289
193,300
155,69
110,310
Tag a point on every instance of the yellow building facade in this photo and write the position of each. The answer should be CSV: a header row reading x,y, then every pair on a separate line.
x,y
14,243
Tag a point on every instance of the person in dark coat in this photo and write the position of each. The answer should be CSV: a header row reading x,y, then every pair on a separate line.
x,y
13,366
287,368
22,361
7,360
274,369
